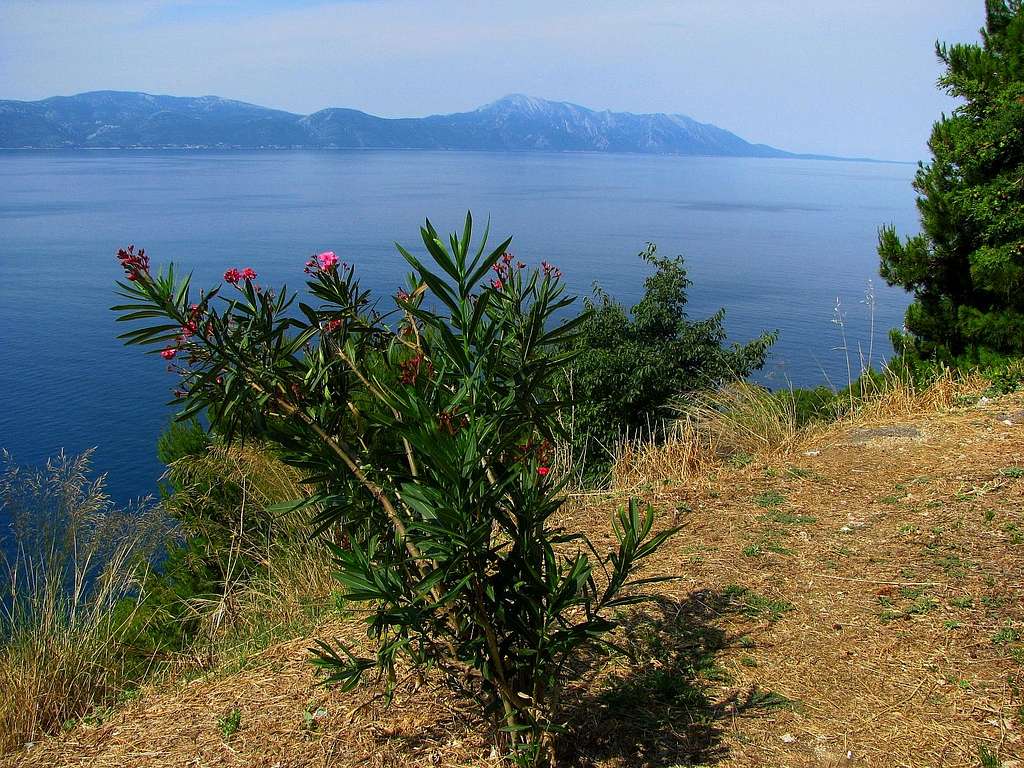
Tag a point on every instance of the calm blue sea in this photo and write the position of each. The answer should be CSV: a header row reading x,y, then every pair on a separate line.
x,y
775,242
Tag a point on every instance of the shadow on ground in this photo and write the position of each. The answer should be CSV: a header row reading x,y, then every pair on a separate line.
x,y
657,711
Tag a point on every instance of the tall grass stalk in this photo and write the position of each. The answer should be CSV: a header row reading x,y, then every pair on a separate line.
x,y
839,320
871,302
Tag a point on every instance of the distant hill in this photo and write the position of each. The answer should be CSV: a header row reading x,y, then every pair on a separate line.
x,y
115,119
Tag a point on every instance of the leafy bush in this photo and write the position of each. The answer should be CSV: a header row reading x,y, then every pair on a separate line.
x,y
809,405
1005,377
427,441
632,367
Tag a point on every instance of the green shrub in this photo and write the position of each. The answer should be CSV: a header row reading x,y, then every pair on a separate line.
x,y
809,405
631,367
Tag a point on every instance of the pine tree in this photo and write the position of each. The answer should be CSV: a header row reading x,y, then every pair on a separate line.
x,y
966,267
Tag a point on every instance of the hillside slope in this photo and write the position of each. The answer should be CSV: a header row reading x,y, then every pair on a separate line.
x,y
114,119
855,603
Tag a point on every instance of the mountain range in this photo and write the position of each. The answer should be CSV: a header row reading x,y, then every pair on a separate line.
x,y
118,119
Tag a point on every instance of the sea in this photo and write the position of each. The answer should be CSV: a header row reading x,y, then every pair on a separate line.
x,y
780,244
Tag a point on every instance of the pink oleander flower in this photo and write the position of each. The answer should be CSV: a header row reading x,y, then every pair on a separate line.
x,y
247,274
327,260
232,276
497,284
551,270
168,353
543,471
332,325
135,264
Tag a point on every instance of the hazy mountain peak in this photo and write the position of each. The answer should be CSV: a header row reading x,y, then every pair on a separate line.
x,y
522,103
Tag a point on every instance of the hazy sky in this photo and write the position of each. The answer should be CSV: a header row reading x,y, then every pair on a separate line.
x,y
849,77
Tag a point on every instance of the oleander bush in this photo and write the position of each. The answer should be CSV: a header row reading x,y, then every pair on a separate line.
x,y
424,436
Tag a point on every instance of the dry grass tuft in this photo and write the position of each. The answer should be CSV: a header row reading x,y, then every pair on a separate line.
x,y
69,562
293,582
743,422
286,600
737,420
744,418
681,454
73,570
897,396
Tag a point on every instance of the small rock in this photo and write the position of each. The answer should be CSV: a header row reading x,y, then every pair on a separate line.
x,y
984,401
788,738
811,453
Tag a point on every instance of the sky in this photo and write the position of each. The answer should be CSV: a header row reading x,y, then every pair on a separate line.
x,y
841,77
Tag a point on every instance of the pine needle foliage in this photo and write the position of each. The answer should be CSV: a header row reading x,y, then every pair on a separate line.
x,y
966,267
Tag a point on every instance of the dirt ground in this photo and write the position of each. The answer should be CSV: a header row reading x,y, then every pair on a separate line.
x,y
857,603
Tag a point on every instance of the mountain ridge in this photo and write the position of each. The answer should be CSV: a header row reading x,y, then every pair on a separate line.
x,y
133,119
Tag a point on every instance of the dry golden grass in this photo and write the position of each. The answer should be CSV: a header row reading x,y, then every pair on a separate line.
x,y
896,396
287,599
57,668
737,420
684,453
65,621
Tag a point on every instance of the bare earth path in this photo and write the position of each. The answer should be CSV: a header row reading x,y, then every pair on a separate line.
x,y
855,604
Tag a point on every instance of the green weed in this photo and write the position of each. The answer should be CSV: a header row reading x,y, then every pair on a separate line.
x,y
791,518
769,499
754,605
230,723
1005,635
